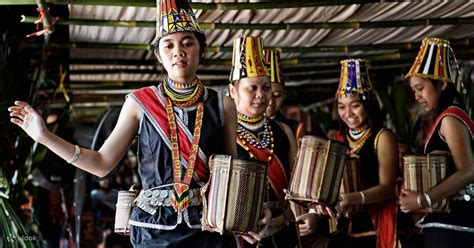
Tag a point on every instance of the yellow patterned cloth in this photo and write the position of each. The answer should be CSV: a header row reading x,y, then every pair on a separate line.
x,y
247,58
174,16
272,61
354,78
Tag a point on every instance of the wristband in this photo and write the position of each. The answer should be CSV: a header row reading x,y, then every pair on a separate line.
x,y
428,199
362,198
418,200
75,155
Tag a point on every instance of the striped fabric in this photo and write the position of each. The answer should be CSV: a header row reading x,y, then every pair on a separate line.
x,y
421,173
351,181
235,195
272,61
297,209
317,175
434,61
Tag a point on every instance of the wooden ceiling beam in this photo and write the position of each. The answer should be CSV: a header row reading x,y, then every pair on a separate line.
x,y
271,26
287,71
466,52
206,6
469,42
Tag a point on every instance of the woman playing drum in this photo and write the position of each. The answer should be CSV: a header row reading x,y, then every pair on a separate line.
x,y
306,224
432,82
261,139
376,147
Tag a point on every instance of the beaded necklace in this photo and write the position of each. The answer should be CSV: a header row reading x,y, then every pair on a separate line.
x,y
262,139
183,94
357,141
180,198
357,131
182,86
250,123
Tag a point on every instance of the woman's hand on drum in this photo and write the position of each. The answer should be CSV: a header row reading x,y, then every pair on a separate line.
x,y
323,210
342,204
408,201
265,216
307,223
28,119
265,219
251,237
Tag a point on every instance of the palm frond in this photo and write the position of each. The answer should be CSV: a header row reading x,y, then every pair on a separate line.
x,y
12,231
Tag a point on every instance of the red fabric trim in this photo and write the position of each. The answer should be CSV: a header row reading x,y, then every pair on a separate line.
x,y
384,218
275,172
340,137
150,101
455,112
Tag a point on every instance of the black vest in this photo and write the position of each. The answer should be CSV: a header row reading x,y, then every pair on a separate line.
x,y
155,160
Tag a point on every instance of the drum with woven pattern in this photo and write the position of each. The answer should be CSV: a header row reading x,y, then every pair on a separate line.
x,y
351,181
421,173
297,209
234,196
316,177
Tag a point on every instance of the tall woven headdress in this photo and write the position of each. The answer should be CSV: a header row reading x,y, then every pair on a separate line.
x,y
174,16
435,61
272,61
354,79
247,58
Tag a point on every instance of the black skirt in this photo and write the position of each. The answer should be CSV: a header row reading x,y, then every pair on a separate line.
x,y
181,236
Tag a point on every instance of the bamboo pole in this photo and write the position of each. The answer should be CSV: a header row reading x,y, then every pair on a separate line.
x,y
313,72
288,72
208,6
273,26
295,76
394,56
91,22
319,71
47,20
456,43
48,29
143,47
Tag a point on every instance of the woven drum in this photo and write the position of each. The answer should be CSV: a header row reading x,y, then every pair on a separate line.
x,y
351,181
317,175
297,209
421,173
234,195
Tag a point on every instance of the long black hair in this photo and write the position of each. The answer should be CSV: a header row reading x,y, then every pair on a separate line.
x,y
448,97
375,117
